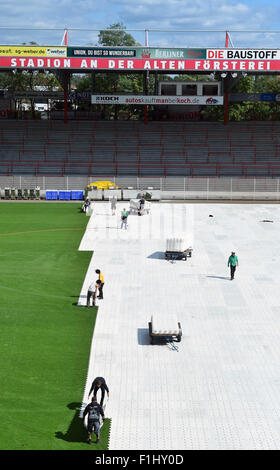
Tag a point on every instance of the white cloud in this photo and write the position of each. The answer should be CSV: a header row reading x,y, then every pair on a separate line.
x,y
238,8
143,14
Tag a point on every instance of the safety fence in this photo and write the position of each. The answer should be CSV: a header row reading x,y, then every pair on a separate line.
x,y
174,188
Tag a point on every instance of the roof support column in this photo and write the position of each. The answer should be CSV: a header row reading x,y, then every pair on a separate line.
x,y
226,94
146,77
65,102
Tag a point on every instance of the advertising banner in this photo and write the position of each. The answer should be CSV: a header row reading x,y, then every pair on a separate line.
x,y
79,95
244,54
254,97
52,95
137,52
100,52
140,59
156,100
87,64
32,51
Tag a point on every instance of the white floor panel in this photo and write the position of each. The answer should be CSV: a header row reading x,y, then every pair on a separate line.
x,y
221,389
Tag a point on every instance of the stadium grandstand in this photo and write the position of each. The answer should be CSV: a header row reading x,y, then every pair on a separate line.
x,y
169,135
159,149
191,360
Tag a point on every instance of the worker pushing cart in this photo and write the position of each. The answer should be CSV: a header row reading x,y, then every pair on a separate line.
x,y
139,206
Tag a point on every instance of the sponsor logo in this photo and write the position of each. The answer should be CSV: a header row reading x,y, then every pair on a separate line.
x,y
146,54
32,51
107,98
157,100
195,53
211,101
244,54
55,52
169,54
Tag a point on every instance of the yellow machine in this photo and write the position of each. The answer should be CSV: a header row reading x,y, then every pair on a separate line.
x,y
102,185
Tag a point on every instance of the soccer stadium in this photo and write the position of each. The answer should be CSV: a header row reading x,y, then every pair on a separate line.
x,y
139,212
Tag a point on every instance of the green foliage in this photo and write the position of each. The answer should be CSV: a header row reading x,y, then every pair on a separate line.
x,y
264,84
24,80
109,37
260,110
28,80
189,78
114,82
249,110
14,80
244,85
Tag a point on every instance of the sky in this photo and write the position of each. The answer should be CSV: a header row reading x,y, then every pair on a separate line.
x,y
170,15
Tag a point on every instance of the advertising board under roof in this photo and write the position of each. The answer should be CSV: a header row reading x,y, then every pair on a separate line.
x,y
172,60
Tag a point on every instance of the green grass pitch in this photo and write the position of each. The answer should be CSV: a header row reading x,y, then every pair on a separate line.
x,y
45,337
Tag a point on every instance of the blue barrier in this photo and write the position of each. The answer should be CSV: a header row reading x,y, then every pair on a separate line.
x,y
51,195
77,195
64,195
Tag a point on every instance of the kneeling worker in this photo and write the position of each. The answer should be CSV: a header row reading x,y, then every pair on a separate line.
x,y
92,292
99,383
86,205
94,410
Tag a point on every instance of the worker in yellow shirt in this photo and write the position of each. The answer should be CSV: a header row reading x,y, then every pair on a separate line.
x,y
100,278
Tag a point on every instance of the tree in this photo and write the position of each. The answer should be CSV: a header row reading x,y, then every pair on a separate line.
x,y
28,80
260,110
247,110
238,112
115,35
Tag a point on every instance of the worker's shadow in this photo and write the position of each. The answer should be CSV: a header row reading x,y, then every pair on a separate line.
x,y
143,336
76,431
102,213
219,277
157,255
77,297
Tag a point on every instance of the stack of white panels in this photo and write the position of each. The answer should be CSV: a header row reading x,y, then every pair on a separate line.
x,y
176,244
164,325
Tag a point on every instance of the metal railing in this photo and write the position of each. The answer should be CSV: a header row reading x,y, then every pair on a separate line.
x,y
171,188
64,34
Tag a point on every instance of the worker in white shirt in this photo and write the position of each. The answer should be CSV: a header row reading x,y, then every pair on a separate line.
x,y
92,292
